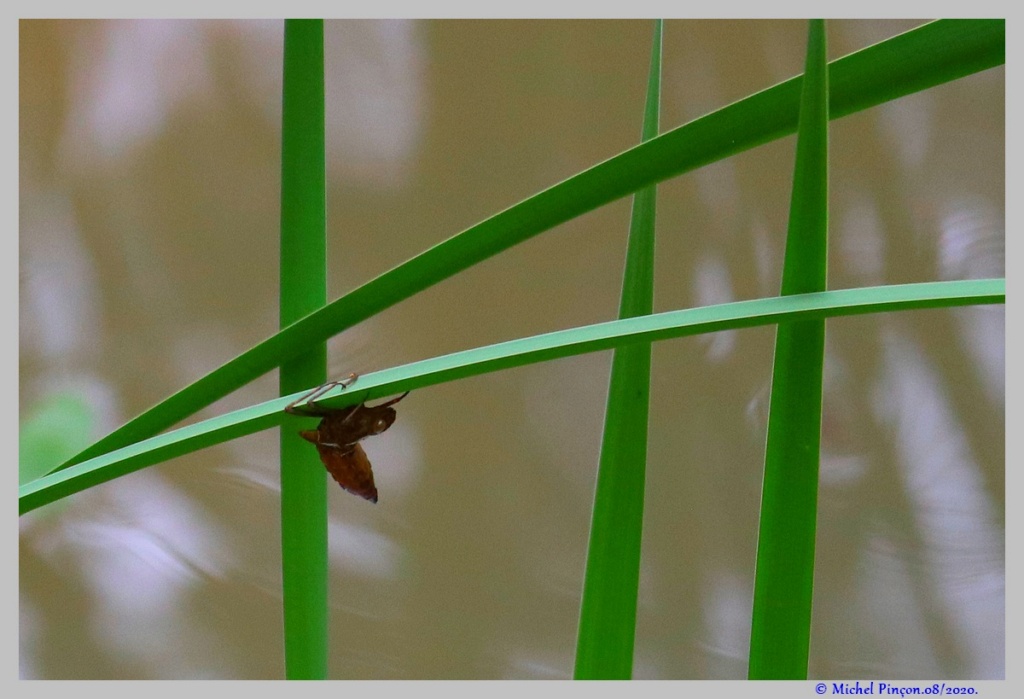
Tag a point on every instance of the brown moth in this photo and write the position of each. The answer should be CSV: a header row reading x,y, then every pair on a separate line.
x,y
338,434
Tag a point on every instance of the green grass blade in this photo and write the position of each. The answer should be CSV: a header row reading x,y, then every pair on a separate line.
x,y
926,56
604,648
506,355
303,290
783,581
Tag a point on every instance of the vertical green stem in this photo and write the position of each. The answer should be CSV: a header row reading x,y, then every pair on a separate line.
x,y
783,582
303,290
607,629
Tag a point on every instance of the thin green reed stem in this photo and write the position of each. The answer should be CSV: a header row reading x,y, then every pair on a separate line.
x,y
303,290
783,582
607,629
506,355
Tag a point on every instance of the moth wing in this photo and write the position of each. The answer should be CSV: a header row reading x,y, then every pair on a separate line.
x,y
350,467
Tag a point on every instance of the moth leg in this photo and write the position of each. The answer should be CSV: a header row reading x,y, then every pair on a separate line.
x,y
352,412
309,398
310,407
344,383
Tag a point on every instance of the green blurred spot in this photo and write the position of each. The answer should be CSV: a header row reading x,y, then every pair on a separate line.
x,y
57,429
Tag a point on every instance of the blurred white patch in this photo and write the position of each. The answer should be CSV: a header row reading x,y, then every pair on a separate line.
x,y
780,56
756,412
907,125
374,99
59,316
861,241
143,554
865,32
766,257
363,551
885,599
984,338
963,545
28,639
552,666
713,285
718,188
838,470
577,386
254,474
972,241
199,347
255,463
397,459
727,621
127,80
696,85
373,85
972,245
645,668
260,56
361,349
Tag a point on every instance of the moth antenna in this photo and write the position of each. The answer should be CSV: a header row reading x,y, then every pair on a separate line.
x,y
392,401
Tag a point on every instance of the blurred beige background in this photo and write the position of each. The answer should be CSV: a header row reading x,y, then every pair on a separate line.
x,y
149,174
